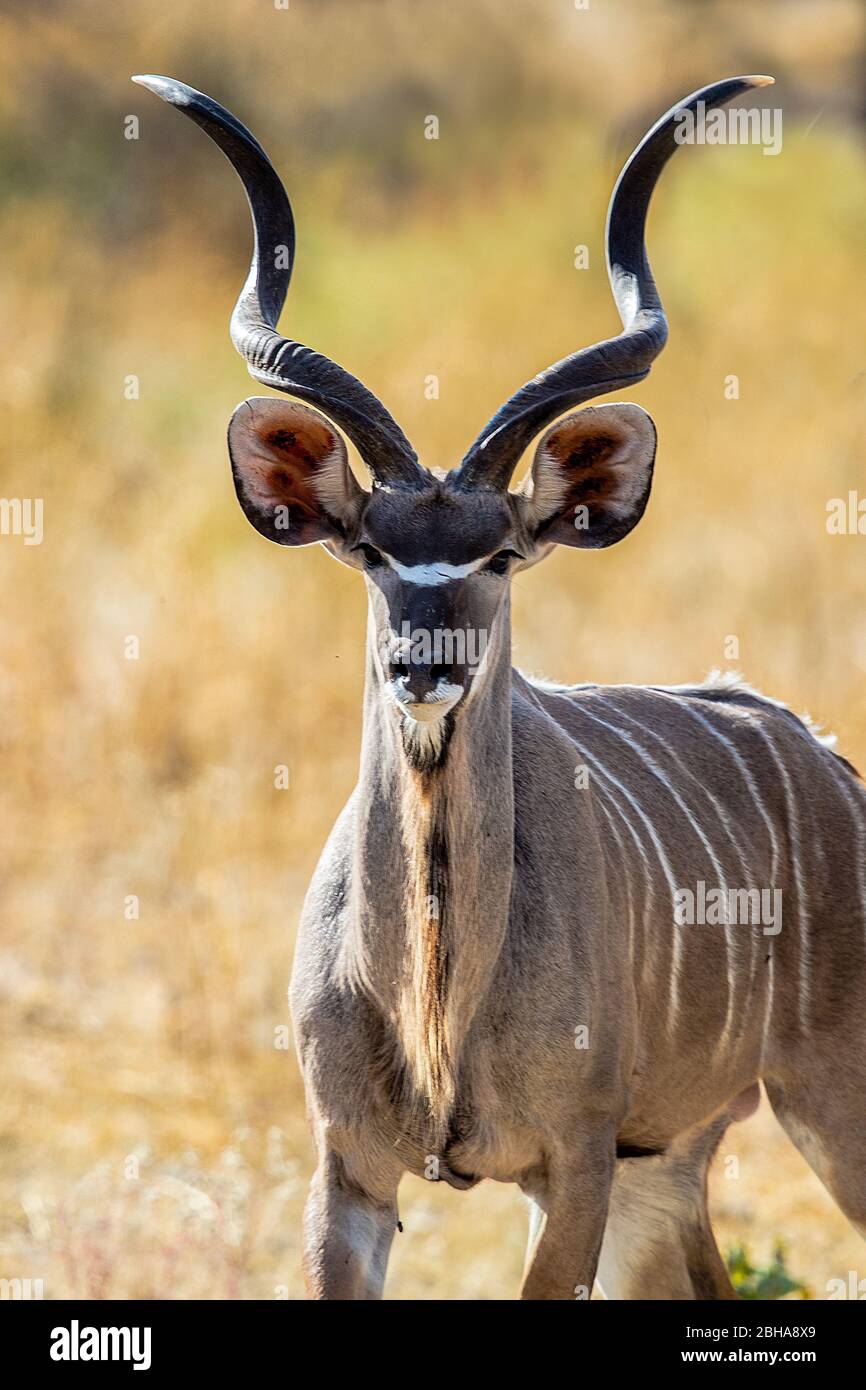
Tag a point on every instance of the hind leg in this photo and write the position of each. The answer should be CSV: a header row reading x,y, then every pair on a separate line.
x,y
658,1243
824,1114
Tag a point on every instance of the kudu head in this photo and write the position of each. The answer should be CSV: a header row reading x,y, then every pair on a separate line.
x,y
438,550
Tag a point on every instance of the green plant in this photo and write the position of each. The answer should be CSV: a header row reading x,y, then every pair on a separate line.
x,y
774,1281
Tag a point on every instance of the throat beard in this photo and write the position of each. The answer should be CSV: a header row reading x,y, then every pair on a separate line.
x,y
424,1004
426,745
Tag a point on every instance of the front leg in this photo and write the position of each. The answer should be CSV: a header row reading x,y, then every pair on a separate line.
x,y
347,1233
573,1193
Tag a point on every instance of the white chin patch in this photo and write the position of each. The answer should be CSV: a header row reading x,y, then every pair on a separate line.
x,y
424,725
434,706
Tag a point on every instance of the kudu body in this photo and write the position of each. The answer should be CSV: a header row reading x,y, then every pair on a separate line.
x,y
491,979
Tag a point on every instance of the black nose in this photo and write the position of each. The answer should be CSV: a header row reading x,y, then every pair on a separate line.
x,y
420,679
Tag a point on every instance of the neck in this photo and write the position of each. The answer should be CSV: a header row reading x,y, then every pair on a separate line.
x,y
432,871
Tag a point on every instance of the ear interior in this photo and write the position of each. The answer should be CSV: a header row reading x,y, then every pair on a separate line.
x,y
591,476
291,472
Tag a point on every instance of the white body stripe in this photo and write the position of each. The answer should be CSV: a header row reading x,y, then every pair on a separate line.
x,y
743,767
803,913
721,878
660,853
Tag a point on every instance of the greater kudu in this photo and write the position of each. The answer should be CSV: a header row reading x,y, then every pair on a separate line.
x,y
494,978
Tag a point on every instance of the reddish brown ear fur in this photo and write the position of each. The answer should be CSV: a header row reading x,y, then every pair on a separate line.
x,y
591,476
291,472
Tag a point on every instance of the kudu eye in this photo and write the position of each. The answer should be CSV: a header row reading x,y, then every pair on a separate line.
x,y
499,563
372,557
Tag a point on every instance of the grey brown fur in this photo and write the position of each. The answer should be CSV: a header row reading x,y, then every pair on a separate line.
x,y
491,980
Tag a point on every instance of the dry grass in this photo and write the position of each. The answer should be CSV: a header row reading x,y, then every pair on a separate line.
x,y
154,777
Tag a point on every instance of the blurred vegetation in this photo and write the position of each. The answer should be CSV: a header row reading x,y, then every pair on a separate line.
x,y
750,1281
153,1039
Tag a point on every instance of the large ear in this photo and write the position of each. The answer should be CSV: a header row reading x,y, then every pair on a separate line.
x,y
591,477
291,472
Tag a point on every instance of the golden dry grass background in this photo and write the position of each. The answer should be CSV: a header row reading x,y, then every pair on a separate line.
x,y
152,1137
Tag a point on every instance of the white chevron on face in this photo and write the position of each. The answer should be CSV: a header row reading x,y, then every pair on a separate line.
x,y
432,574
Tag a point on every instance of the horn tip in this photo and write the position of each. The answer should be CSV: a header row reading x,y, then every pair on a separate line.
x,y
760,80
168,88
